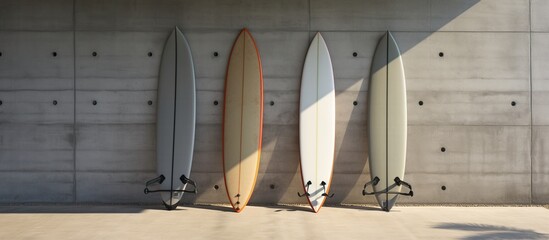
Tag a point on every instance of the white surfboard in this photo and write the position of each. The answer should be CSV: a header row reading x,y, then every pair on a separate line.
x,y
176,119
387,128
317,123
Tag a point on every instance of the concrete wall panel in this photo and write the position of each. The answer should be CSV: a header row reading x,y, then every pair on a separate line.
x,y
351,137
480,15
343,45
206,65
55,187
469,188
347,188
207,193
115,137
207,112
282,84
540,61
282,53
469,149
540,164
540,19
36,69
208,138
279,161
114,187
236,14
286,186
470,61
116,107
468,108
540,105
31,159
540,78
285,107
43,107
475,158
36,136
206,162
36,15
122,61
27,61
347,112
126,15
36,147
280,138
115,147
372,15
122,160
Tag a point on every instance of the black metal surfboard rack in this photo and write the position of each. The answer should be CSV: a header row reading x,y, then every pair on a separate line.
x,y
160,179
309,183
398,182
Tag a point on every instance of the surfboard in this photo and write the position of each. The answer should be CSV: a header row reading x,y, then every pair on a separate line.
x,y
317,123
242,120
176,119
387,125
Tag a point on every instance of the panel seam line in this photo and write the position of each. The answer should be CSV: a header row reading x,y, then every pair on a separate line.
x,y
74,96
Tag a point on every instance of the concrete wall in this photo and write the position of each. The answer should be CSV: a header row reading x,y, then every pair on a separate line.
x,y
495,53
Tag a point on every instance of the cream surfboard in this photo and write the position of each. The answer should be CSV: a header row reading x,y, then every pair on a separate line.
x,y
242,120
387,124
317,123
175,122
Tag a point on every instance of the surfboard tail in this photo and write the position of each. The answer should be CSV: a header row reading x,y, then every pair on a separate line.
x,y
387,198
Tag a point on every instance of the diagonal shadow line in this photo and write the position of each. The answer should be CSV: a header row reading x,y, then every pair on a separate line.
x,y
437,22
404,46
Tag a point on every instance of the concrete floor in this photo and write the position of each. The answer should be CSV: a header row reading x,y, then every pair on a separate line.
x,y
271,222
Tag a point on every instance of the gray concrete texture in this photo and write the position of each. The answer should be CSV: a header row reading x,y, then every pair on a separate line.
x,y
271,222
495,53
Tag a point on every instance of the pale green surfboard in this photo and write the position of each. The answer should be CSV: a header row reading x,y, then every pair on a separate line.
x,y
387,125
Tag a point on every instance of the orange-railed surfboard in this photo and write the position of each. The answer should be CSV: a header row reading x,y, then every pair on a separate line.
x,y
242,120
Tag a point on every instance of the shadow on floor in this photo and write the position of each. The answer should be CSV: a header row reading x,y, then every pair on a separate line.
x,y
307,208
485,231
77,208
221,208
288,208
102,208
129,208
357,207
